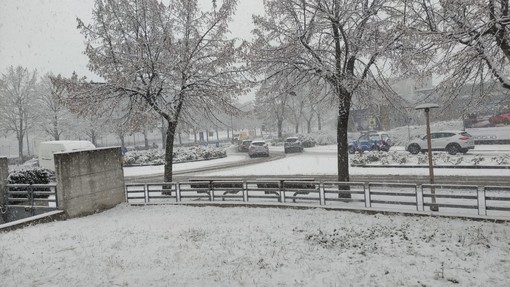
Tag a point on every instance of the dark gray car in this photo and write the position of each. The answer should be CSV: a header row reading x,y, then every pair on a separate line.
x,y
293,144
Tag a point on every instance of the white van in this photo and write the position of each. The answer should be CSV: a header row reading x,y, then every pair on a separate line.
x,y
47,149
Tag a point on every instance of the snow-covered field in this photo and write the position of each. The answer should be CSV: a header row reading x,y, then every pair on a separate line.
x,y
213,246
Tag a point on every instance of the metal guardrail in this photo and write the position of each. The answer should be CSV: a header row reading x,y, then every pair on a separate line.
x,y
31,197
465,199
496,198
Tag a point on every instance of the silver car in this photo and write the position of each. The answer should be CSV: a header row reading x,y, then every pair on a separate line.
x,y
451,141
258,147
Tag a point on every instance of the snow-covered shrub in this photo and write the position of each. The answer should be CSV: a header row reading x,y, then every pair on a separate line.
x,y
477,159
153,156
385,160
373,157
323,138
445,158
308,140
502,159
422,159
31,176
398,158
276,142
358,160
181,154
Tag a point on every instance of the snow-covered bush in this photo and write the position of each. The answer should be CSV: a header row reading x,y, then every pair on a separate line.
x,y
181,154
308,140
502,159
30,176
358,160
477,159
323,138
438,158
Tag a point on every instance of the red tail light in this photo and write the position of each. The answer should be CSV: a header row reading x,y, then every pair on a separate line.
x,y
463,138
265,146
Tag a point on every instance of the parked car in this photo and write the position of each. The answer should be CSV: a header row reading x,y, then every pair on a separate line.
x,y
243,146
500,119
258,147
451,141
292,144
372,141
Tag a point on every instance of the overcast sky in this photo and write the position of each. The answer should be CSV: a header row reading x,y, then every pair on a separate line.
x,y
42,34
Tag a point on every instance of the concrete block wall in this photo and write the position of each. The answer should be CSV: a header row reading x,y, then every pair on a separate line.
x,y
89,181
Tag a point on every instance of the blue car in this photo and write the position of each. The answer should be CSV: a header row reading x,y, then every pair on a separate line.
x,y
373,141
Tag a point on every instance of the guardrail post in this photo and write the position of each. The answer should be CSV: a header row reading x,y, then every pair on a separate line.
x,y
146,197
282,192
211,191
55,194
416,192
369,194
321,193
31,199
485,199
245,191
478,199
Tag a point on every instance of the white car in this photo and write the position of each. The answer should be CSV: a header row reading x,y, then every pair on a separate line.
x,y
258,147
451,141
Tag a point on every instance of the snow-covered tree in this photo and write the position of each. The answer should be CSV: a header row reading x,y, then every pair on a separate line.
x,y
472,38
271,101
17,97
157,58
53,117
341,43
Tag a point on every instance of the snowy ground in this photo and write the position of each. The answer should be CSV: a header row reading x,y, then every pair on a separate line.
x,y
212,246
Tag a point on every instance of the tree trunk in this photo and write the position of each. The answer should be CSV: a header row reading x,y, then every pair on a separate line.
x,y
145,139
122,141
56,134
279,127
309,126
169,149
28,143
19,136
93,137
297,128
163,138
20,148
342,144
319,121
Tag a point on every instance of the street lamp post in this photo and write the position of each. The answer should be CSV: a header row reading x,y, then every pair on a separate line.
x,y
426,108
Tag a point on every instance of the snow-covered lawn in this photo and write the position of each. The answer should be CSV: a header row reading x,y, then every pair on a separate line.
x,y
213,246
